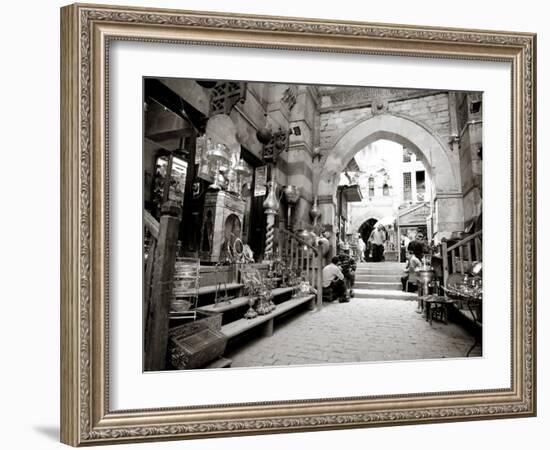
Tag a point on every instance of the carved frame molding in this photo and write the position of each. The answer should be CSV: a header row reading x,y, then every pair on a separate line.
x,y
86,33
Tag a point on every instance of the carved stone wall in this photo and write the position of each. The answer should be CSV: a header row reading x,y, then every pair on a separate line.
x,y
427,107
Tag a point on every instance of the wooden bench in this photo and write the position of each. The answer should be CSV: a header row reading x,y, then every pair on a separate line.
x,y
211,289
235,303
240,326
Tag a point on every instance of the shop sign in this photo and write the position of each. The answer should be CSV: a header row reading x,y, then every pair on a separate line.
x,y
260,185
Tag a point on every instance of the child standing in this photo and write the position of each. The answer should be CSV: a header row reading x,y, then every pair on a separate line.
x,y
413,264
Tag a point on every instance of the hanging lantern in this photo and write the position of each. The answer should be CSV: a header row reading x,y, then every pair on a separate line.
x,y
232,181
207,84
324,245
304,235
292,195
217,156
264,134
242,172
315,212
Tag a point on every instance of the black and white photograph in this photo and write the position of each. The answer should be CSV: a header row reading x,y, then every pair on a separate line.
x,y
291,224
275,225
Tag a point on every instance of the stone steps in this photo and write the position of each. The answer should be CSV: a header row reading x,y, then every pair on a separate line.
x,y
379,265
369,272
378,286
364,294
380,280
375,264
365,278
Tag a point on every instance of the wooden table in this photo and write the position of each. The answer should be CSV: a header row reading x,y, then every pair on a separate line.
x,y
472,302
437,305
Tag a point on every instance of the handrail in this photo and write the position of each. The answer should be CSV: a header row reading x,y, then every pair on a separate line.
x,y
300,240
465,240
463,246
301,255
151,224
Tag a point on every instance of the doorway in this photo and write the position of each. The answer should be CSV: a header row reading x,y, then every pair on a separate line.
x,y
365,230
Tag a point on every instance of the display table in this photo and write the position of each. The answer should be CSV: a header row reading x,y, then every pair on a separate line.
x,y
437,307
472,295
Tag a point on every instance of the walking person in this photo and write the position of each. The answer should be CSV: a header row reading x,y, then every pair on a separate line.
x,y
361,247
376,239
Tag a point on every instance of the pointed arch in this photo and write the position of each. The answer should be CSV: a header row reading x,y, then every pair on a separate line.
x,y
438,160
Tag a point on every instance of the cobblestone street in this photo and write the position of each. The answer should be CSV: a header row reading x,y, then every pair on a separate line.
x,y
362,330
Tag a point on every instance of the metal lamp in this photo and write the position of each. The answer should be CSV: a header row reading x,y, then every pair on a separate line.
x,y
217,155
242,171
292,195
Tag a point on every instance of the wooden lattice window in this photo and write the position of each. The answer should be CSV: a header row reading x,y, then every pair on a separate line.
x,y
371,186
407,186
225,95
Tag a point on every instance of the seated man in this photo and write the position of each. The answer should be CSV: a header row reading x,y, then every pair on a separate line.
x,y
348,267
333,279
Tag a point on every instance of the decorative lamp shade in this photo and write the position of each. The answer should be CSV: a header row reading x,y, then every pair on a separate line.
x,y
324,245
304,236
218,153
232,181
315,212
241,168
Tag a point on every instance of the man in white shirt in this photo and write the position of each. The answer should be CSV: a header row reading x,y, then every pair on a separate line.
x,y
333,280
377,239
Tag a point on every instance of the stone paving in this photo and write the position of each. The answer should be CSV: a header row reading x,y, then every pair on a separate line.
x,y
359,331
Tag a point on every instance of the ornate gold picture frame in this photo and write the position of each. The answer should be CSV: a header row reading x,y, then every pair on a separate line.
x,y
87,31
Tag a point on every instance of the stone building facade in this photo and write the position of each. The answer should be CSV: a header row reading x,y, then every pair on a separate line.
x,y
326,127
391,179
442,128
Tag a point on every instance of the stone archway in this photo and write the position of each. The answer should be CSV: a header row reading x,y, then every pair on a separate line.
x,y
441,164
